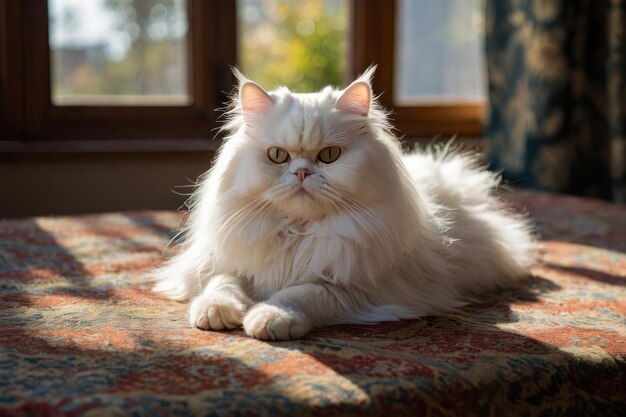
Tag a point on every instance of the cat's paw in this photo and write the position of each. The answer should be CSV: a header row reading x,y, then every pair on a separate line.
x,y
268,322
209,312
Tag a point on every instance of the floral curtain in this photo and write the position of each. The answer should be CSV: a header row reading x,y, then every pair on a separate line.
x,y
557,94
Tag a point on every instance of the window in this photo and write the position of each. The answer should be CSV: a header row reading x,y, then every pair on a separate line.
x,y
116,52
303,45
438,51
429,56
53,69
123,74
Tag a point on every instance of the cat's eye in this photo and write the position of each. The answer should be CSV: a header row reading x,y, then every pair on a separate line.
x,y
329,154
277,155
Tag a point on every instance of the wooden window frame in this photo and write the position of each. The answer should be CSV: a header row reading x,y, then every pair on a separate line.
x,y
29,122
373,42
34,122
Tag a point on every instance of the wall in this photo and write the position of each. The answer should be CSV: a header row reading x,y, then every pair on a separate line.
x,y
57,184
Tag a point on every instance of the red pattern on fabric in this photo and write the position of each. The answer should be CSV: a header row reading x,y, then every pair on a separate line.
x,y
81,334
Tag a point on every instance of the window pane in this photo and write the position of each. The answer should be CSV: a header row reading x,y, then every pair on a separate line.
x,y
300,44
118,52
439,51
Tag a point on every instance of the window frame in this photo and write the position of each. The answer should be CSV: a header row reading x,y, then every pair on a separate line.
x,y
37,123
29,122
373,40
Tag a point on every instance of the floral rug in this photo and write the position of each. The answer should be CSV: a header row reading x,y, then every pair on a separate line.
x,y
81,336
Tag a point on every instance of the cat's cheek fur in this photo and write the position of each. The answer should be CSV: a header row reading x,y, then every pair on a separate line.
x,y
250,172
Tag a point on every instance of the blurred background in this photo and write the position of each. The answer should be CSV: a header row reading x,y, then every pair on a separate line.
x,y
118,51
111,104
124,51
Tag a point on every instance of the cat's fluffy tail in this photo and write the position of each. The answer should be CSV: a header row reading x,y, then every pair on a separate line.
x,y
485,232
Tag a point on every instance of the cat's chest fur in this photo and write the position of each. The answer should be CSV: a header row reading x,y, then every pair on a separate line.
x,y
279,253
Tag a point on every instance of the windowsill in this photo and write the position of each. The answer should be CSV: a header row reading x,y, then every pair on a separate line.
x,y
108,146
178,145
467,142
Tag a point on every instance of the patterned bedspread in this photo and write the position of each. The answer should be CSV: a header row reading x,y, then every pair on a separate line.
x,y
80,335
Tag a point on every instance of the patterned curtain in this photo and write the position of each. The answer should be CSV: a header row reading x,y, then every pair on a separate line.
x,y
557,94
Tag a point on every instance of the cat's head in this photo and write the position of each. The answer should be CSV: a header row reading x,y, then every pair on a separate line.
x,y
309,155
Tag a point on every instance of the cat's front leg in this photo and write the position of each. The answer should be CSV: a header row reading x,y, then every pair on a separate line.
x,y
294,311
221,305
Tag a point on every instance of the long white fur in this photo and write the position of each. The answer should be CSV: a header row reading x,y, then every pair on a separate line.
x,y
379,236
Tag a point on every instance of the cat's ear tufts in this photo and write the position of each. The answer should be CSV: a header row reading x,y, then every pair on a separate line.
x,y
356,99
254,99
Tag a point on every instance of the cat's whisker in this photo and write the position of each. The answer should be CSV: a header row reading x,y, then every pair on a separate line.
x,y
335,197
245,216
167,246
258,212
236,213
238,216
330,200
373,224
376,223
328,203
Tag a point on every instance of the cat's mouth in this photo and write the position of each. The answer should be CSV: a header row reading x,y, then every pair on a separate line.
x,y
304,193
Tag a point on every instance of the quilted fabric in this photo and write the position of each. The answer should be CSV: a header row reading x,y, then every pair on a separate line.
x,y
80,335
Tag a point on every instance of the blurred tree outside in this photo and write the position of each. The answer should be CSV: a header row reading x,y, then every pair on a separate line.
x,y
134,51
300,44
141,51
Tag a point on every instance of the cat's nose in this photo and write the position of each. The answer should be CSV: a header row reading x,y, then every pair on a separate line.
x,y
301,173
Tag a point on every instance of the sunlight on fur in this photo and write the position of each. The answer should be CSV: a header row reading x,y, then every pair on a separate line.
x,y
312,216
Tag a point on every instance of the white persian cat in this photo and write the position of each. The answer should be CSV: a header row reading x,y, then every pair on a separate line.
x,y
312,216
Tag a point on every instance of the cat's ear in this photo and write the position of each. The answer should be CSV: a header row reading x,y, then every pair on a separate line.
x,y
254,99
356,99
